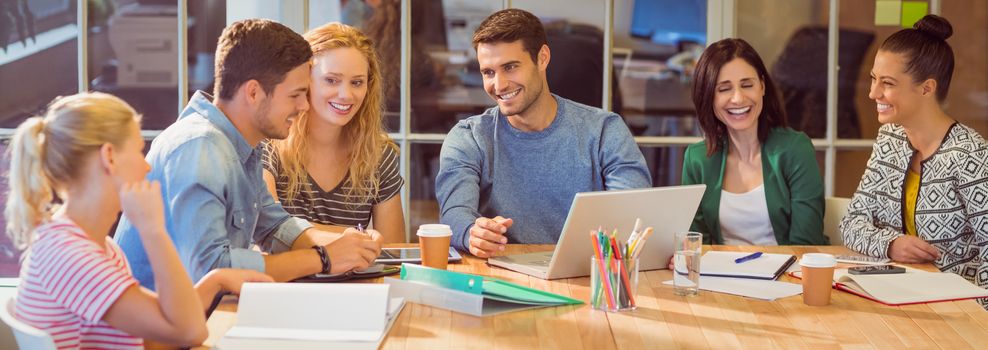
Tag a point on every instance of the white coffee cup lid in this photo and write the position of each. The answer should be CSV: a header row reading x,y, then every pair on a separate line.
x,y
818,260
434,230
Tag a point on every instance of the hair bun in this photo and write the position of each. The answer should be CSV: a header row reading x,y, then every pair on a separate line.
x,y
935,25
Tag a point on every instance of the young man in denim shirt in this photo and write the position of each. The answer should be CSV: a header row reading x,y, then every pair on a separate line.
x,y
209,165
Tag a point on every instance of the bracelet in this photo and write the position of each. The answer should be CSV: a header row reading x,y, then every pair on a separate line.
x,y
324,258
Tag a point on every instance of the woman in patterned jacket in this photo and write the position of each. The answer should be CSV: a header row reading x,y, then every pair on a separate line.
x,y
924,194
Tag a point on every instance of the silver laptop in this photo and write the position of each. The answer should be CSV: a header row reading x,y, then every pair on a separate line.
x,y
667,209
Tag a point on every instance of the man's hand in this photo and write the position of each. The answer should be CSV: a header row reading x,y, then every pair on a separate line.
x,y
487,236
912,250
354,250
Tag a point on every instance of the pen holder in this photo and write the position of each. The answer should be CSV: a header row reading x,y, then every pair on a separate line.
x,y
613,284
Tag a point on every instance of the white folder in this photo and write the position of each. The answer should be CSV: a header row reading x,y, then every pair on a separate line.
x,y
312,315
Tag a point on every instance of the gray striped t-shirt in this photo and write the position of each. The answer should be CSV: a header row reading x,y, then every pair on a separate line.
x,y
332,207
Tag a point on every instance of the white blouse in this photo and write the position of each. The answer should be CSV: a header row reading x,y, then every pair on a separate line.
x,y
744,218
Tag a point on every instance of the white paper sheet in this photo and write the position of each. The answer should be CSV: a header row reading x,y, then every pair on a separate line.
x,y
746,287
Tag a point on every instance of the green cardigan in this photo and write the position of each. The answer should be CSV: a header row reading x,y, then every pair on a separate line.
x,y
793,188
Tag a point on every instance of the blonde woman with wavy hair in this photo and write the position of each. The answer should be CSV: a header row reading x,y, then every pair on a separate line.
x,y
338,168
76,283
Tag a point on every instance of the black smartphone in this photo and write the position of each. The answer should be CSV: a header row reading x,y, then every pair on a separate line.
x,y
875,270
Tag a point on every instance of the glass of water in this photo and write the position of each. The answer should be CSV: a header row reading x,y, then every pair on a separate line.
x,y
686,263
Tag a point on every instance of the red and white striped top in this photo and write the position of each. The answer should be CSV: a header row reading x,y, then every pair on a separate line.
x,y
68,282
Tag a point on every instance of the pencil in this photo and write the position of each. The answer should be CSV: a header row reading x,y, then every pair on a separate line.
x,y
640,244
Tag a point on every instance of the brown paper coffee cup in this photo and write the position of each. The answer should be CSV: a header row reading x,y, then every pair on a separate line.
x,y
817,285
434,244
818,277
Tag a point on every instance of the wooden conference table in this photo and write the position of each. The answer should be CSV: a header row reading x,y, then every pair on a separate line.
x,y
664,320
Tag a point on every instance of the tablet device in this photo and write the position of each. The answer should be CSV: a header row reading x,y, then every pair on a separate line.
x,y
374,271
396,256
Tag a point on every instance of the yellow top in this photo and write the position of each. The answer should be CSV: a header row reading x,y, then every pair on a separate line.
x,y
912,192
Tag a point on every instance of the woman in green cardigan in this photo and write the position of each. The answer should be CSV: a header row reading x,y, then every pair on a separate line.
x,y
763,182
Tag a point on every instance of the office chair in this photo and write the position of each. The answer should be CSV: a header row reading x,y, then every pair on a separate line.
x,y
576,70
27,336
833,213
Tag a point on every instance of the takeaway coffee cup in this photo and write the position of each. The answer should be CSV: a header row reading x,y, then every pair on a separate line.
x,y
434,243
818,277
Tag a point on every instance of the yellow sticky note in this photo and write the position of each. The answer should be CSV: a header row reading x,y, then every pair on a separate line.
x,y
888,12
912,12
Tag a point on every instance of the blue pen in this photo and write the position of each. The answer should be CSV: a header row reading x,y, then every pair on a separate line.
x,y
752,256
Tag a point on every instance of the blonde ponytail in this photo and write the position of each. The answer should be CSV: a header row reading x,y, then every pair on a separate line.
x,y
30,191
48,152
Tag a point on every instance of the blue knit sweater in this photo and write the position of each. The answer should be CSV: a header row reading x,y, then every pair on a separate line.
x,y
489,168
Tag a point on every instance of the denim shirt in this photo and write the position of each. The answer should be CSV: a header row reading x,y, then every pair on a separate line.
x,y
216,202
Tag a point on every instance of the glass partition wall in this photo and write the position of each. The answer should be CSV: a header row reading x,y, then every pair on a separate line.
x,y
633,57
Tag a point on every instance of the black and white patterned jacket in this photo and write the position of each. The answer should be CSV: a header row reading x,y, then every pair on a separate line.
x,y
951,208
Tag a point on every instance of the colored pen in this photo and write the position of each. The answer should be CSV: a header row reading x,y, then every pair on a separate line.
x,y
601,250
629,293
751,256
360,227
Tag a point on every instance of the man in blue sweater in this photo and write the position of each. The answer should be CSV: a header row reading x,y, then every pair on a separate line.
x,y
510,174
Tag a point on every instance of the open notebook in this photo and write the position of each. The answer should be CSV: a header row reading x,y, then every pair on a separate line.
x,y
769,266
912,287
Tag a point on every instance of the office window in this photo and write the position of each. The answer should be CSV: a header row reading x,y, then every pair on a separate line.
x,y
37,45
857,23
133,54
206,21
967,100
381,22
656,45
575,33
446,85
422,205
665,163
791,38
9,256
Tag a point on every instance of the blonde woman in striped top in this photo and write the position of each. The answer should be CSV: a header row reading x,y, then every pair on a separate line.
x,y
338,168
76,284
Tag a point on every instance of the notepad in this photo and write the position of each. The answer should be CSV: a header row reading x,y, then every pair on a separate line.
x,y
769,266
912,287
470,294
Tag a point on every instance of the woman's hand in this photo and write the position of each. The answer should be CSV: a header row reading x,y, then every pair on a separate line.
x,y
912,250
230,280
142,205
